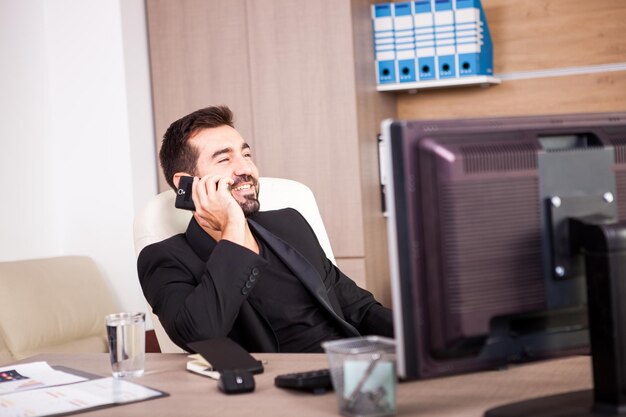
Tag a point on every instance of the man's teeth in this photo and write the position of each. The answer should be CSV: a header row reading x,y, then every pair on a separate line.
x,y
242,187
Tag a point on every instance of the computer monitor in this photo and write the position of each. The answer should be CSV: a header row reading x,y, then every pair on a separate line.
x,y
489,221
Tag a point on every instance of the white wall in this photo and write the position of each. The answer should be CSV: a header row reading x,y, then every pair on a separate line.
x,y
27,223
76,132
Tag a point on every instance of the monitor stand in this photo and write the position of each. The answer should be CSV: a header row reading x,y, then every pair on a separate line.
x,y
603,243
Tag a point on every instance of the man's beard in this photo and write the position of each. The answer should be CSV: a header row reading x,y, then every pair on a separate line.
x,y
251,204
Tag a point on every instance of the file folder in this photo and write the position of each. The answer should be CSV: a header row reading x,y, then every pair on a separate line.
x,y
473,40
424,40
404,41
445,48
384,47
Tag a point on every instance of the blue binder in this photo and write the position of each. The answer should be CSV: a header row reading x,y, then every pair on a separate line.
x,y
444,39
384,48
404,41
424,40
473,40
431,40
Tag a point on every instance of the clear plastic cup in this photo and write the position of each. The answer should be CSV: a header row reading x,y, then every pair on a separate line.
x,y
363,371
126,335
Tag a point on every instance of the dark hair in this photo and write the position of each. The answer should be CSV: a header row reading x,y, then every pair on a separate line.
x,y
177,154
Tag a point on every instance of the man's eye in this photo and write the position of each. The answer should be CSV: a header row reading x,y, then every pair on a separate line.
x,y
223,160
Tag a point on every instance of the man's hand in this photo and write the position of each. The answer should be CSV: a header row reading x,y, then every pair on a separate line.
x,y
217,211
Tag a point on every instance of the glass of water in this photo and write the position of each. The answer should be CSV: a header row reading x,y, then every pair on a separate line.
x,y
126,334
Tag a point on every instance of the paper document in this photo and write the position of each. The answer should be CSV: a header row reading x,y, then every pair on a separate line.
x,y
74,397
32,375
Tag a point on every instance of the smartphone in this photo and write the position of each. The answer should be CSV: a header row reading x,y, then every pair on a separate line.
x,y
183,194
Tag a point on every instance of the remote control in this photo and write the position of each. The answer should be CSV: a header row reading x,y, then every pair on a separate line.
x,y
317,382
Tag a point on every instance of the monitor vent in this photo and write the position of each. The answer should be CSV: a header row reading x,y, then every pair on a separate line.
x,y
491,230
479,158
620,189
619,144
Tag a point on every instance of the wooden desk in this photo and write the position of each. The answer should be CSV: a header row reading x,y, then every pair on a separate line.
x,y
194,395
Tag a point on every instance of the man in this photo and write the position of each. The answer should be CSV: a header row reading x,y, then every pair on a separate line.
x,y
260,278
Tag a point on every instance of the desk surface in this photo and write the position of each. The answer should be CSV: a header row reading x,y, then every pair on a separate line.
x,y
194,395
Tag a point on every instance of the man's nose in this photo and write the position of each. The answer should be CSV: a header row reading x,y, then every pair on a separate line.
x,y
242,166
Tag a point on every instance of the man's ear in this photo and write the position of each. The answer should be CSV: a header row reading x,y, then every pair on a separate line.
x,y
177,176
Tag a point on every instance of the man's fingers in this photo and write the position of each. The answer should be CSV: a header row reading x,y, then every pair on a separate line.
x,y
208,190
224,184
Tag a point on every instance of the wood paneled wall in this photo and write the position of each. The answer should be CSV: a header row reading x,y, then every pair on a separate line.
x,y
188,40
303,107
534,35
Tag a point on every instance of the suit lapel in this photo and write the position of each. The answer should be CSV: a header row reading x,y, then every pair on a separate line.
x,y
301,268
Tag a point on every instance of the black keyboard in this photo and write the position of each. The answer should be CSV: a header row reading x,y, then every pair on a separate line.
x,y
317,382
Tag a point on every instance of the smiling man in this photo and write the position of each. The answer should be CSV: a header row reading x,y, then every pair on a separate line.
x,y
260,278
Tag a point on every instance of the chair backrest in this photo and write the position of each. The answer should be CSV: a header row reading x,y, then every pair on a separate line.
x,y
52,305
159,220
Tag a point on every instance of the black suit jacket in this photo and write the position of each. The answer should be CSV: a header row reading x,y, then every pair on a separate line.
x,y
199,287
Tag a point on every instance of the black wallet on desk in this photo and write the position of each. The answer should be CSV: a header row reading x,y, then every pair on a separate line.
x,y
225,354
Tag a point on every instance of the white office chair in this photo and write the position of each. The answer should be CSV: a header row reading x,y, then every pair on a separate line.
x,y
159,219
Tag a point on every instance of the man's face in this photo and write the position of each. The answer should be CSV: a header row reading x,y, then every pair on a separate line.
x,y
222,151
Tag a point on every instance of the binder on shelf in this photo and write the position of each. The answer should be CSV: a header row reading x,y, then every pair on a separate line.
x,y
384,47
473,40
445,48
424,40
404,40
432,43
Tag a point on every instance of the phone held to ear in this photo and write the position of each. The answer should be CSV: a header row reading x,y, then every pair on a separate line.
x,y
183,194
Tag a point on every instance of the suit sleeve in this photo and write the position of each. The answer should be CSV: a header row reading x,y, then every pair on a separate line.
x,y
196,300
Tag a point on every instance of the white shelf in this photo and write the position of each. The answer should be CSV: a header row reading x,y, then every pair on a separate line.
x,y
479,80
